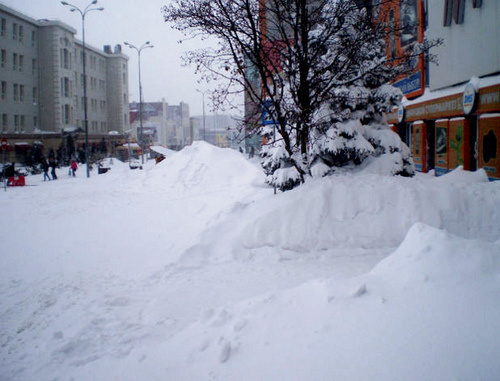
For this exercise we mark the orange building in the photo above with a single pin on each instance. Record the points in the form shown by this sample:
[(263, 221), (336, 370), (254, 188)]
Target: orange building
[(455, 120)]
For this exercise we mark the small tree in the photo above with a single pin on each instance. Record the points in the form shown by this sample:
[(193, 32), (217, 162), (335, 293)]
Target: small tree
[(317, 68)]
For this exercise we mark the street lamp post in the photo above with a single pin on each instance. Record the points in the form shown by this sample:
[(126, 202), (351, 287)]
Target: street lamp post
[(203, 94), (74, 8), (143, 46)]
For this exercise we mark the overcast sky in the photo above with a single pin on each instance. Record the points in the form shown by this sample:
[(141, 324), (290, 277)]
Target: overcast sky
[(134, 21)]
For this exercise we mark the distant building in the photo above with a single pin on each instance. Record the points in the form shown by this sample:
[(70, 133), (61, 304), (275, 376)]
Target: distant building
[(221, 130), (41, 77), (163, 124)]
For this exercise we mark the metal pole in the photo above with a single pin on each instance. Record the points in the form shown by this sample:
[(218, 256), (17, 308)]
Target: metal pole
[(86, 121), (74, 8), (140, 108), (143, 46), (204, 130), (3, 169)]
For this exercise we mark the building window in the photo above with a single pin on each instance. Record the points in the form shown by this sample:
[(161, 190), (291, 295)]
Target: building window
[(66, 87), (65, 109), (15, 95), (3, 29), (66, 114), (454, 10), (15, 61), (65, 61), (21, 63), (34, 66), (16, 123), (14, 31), (3, 58), (5, 122), (21, 93), (21, 34), (35, 121), (4, 90), (35, 95), (33, 38), (23, 122)]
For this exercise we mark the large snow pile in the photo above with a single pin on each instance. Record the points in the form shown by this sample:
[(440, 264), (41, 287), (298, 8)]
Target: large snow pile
[(200, 167), (193, 270)]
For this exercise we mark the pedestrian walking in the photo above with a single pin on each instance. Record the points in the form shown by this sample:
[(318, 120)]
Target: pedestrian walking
[(53, 165), (45, 167), (73, 167)]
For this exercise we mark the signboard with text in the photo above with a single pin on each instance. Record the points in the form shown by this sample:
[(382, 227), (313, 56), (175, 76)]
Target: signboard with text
[(405, 21)]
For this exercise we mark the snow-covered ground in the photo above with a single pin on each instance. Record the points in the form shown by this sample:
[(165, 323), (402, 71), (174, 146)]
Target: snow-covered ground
[(193, 269)]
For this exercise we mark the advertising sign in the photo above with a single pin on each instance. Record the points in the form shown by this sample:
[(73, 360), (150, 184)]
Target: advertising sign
[(405, 20), (419, 146), (441, 154), (459, 144), (488, 139), (469, 99)]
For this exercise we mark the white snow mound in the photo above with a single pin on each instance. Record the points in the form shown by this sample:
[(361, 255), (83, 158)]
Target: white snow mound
[(429, 254), (204, 167)]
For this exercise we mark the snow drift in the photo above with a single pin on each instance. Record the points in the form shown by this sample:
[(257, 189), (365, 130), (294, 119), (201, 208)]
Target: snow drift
[(428, 311), (193, 269)]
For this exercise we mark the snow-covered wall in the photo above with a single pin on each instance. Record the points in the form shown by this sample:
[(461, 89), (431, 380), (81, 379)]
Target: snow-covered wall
[(469, 49)]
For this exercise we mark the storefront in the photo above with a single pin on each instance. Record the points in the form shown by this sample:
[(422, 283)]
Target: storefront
[(448, 129)]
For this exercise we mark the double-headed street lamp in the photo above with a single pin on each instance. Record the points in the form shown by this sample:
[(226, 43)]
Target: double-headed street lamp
[(143, 46), (74, 8)]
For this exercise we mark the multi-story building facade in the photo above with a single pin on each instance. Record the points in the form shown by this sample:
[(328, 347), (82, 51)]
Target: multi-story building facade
[(454, 119), (41, 77)]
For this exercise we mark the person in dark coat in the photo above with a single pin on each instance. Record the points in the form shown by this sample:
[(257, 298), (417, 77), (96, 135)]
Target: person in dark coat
[(45, 167), (53, 165), (10, 171)]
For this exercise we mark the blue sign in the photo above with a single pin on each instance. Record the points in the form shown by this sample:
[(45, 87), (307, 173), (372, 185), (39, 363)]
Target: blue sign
[(410, 84), (267, 111)]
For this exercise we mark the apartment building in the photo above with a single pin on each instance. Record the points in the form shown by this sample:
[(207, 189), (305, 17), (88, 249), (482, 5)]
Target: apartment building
[(41, 78)]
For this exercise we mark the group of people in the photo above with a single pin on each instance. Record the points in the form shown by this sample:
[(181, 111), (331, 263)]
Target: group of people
[(52, 165)]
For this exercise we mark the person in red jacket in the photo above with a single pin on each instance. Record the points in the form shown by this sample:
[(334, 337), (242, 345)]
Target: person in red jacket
[(73, 167)]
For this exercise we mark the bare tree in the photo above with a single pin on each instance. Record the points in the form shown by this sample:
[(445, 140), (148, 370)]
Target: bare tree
[(306, 64)]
